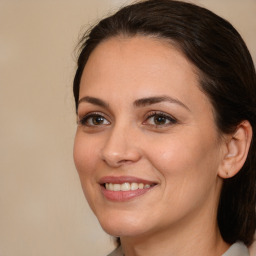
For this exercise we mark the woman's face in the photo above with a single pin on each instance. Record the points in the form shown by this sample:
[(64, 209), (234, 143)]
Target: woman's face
[(146, 149)]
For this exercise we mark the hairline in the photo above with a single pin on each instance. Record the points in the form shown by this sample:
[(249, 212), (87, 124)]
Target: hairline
[(174, 44)]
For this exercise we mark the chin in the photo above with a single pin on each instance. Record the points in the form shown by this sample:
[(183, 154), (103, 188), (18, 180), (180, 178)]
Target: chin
[(119, 226)]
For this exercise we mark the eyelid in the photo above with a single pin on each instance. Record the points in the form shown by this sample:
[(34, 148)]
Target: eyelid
[(151, 114), (86, 116)]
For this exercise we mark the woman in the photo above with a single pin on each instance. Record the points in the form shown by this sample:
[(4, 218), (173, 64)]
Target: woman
[(165, 96)]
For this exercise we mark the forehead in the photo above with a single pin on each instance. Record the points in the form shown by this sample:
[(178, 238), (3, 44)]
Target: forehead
[(143, 51), (139, 67)]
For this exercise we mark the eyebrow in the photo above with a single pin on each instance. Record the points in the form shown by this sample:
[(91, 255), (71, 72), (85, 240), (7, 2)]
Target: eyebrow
[(94, 101), (154, 100), (137, 103)]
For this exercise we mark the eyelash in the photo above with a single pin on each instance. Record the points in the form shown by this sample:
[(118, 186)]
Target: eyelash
[(171, 120), (84, 121), (87, 119)]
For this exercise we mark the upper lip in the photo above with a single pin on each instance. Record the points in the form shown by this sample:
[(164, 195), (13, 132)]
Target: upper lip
[(124, 179)]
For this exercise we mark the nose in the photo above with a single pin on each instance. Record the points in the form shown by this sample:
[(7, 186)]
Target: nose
[(120, 147)]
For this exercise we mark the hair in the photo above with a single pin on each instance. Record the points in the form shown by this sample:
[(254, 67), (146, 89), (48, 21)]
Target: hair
[(226, 75)]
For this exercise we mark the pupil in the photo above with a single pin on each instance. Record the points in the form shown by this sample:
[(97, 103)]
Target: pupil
[(160, 120), (97, 120)]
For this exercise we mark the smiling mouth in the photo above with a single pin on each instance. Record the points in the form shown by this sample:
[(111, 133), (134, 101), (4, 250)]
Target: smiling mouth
[(126, 186)]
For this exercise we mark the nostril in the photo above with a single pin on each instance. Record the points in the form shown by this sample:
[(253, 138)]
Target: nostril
[(125, 161), (117, 158), (119, 149)]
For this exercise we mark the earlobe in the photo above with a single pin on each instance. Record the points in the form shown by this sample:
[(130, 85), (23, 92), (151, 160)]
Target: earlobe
[(237, 147)]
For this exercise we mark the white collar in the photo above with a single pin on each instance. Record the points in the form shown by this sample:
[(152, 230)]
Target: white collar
[(237, 249)]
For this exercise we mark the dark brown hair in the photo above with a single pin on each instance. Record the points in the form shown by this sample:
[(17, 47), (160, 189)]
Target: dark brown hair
[(227, 77)]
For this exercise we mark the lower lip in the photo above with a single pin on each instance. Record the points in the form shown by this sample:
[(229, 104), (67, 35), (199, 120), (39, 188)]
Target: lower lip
[(121, 196)]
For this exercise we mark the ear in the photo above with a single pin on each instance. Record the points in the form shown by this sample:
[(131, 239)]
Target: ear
[(236, 150)]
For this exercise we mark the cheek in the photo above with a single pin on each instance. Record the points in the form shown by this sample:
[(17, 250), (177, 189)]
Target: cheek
[(188, 174), (85, 155), (186, 162)]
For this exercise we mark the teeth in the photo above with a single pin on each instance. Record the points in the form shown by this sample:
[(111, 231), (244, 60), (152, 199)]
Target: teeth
[(111, 187), (117, 187), (134, 186), (141, 186), (126, 186)]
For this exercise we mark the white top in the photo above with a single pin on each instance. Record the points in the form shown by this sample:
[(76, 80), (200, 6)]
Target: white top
[(237, 249)]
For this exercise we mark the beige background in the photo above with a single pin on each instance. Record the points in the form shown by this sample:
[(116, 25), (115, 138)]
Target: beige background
[(42, 208)]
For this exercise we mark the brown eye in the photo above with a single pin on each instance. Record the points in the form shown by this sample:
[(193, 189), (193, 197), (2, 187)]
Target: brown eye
[(94, 120), (160, 120), (97, 120)]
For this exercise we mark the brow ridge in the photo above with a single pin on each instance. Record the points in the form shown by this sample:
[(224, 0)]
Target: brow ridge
[(93, 100), (157, 99), (137, 103)]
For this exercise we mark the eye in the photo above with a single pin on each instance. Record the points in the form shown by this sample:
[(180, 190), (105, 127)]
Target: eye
[(159, 119), (93, 119)]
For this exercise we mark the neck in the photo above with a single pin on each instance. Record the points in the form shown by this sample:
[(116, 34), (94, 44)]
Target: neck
[(192, 244), (192, 236)]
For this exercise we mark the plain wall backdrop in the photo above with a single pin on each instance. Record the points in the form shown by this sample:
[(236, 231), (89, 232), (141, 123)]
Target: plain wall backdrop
[(42, 208)]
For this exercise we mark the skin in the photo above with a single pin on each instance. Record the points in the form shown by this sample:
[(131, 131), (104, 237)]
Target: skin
[(182, 157)]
